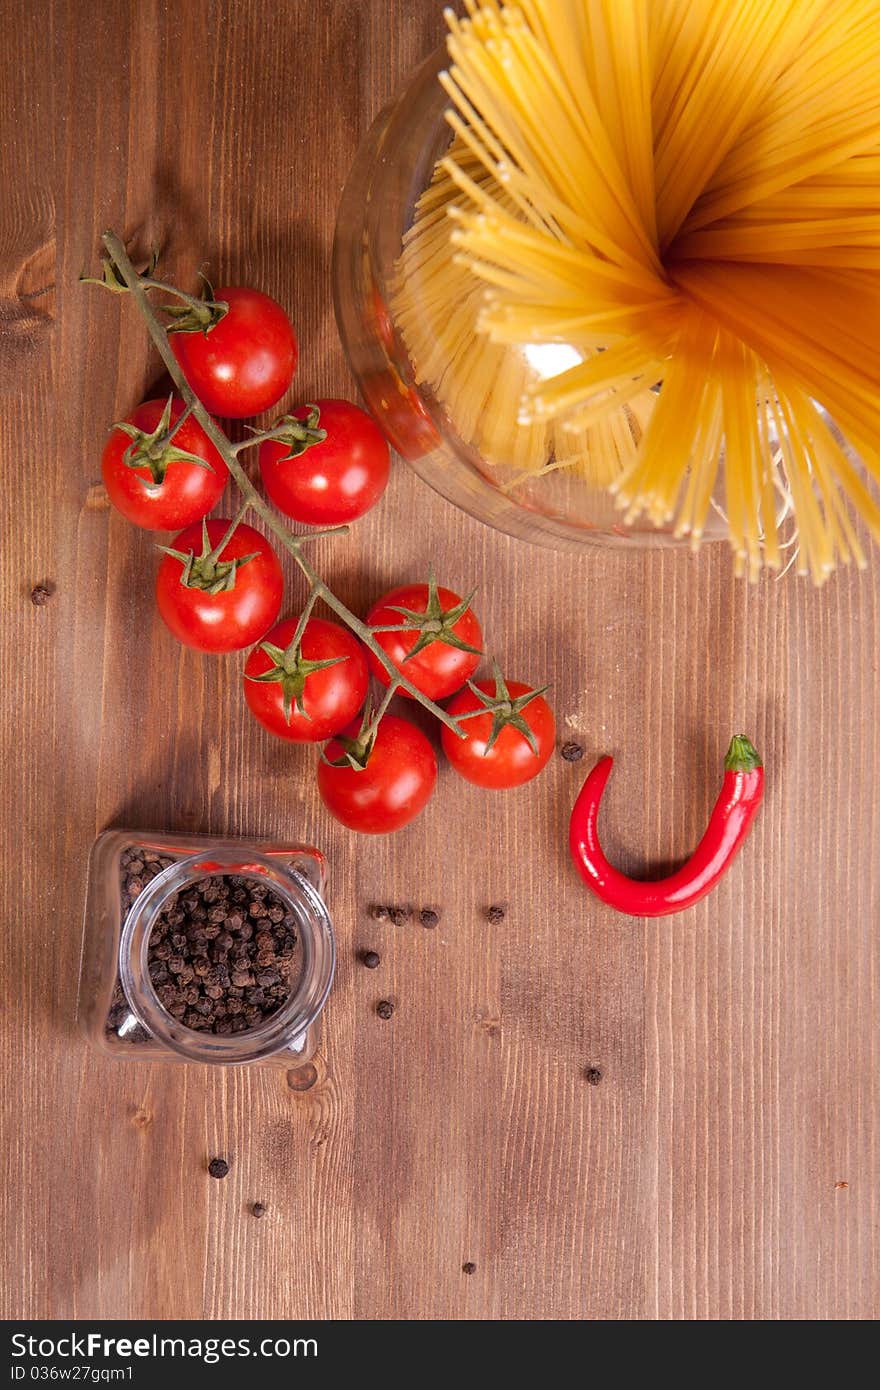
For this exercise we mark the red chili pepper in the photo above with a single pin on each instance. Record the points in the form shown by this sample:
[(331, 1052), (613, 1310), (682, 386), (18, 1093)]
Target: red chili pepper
[(735, 809)]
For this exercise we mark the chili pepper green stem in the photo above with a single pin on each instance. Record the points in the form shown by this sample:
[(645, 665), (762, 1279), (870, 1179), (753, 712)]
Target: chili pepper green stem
[(742, 755), (292, 544)]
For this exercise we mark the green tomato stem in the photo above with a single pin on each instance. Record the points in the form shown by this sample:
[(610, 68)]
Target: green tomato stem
[(199, 306), (295, 640), (380, 712), (258, 437)]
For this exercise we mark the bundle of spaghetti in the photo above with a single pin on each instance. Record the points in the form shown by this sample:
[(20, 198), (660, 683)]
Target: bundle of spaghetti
[(438, 305), (652, 253)]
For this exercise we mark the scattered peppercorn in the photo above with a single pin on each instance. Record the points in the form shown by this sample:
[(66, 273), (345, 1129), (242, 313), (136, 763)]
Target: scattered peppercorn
[(469, 1267), (370, 959), (258, 1209), (400, 915), (218, 1167), (40, 595), (379, 913), (384, 1008), (429, 917), (593, 1075), (495, 914), (572, 752)]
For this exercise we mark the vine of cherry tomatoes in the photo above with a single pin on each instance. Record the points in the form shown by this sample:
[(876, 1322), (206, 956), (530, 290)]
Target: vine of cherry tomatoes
[(219, 586)]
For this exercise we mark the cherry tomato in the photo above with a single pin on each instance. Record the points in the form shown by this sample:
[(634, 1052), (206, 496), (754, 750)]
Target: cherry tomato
[(442, 628), (509, 760), (310, 694), (402, 412), (158, 487), (329, 480), (233, 617), (245, 363), (382, 319), (396, 784)]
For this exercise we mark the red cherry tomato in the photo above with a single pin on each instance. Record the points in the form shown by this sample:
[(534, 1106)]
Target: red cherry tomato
[(245, 363), (231, 618), (401, 413), (323, 685), (510, 761), (156, 488), (440, 667), (382, 319), (329, 481), (396, 784)]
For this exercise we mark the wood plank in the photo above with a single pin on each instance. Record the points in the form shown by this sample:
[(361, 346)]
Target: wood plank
[(700, 1178)]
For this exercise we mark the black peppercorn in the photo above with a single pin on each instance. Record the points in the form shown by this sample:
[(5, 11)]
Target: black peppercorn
[(385, 1008), (429, 917), (571, 752), (258, 1209), (218, 1167), (495, 914), (370, 959), (222, 970)]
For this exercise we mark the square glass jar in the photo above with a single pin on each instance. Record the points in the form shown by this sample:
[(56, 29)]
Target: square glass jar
[(118, 1006)]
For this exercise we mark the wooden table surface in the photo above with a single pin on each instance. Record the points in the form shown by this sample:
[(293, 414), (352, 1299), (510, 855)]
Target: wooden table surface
[(721, 1161)]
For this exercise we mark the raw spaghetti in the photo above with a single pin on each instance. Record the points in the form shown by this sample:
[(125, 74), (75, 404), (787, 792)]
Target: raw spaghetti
[(686, 194)]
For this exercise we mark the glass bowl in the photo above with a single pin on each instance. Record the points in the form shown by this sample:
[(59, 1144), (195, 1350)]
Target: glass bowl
[(393, 167)]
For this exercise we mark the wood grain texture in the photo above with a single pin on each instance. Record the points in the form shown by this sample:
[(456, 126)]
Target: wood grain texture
[(701, 1178)]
